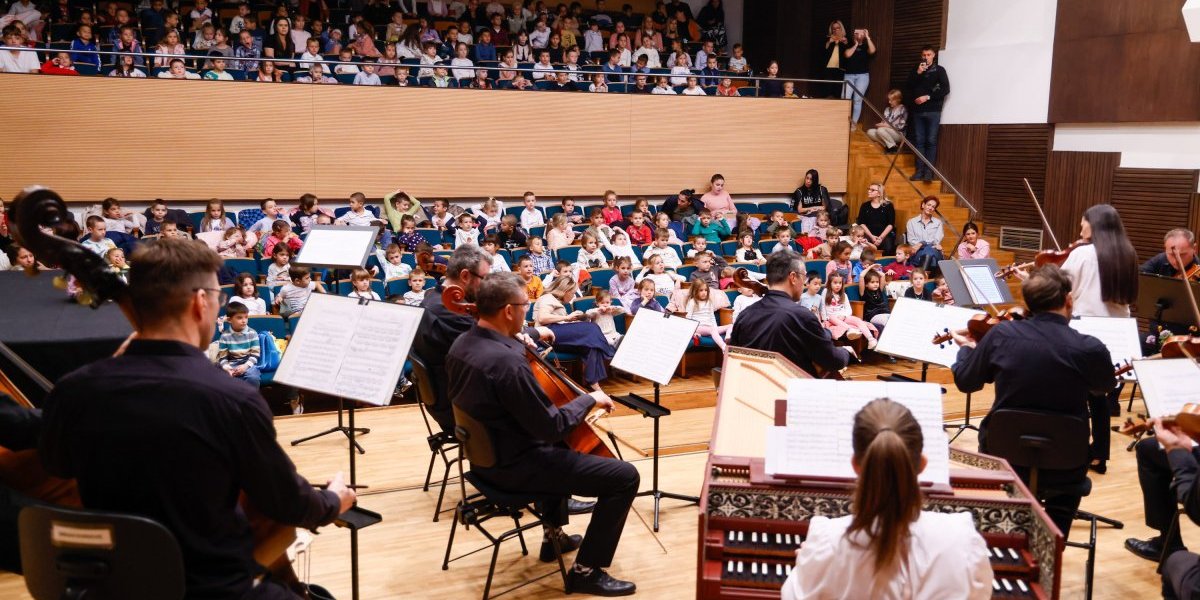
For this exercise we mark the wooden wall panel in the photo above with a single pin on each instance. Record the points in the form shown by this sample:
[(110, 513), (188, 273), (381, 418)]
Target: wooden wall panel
[(193, 140), (962, 154), (1123, 61), (918, 23), (1074, 182), (1014, 152), (878, 17), (1152, 201)]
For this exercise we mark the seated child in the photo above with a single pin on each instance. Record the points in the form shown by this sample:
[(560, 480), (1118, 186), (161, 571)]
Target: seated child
[(747, 252), (701, 308), (117, 263), (941, 294), (917, 290), (610, 211), (712, 229), (839, 316), (705, 273), (533, 283), (511, 235), (409, 239), (489, 214), (900, 269), (277, 271), (158, 215), (784, 241), (467, 233), (261, 227), (665, 282), (215, 218), (746, 297), (491, 247), (621, 285), (663, 249), (590, 255), (645, 299), (825, 250), (358, 215), (416, 288), (776, 223), (245, 292), (811, 298), (603, 316), (542, 261), (700, 246), (840, 262), (281, 233), (619, 246), (293, 297), (859, 241), (393, 263), (559, 234), (876, 308), (170, 229), (599, 228), (238, 349), (234, 244), (639, 233), (115, 219), (571, 212), (866, 263), (663, 220), (360, 284), (95, 241)]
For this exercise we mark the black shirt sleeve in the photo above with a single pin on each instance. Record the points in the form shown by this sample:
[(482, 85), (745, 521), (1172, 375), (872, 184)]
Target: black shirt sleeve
[(973, 368), (1183, 464), (814, 338), (19, 426), (528, 404)]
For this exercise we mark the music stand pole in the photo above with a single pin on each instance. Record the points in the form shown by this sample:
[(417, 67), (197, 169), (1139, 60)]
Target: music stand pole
[(654, 411), (965, 425)]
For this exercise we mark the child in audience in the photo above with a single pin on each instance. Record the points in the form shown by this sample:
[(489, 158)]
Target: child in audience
[(344, 66), (650, 52), (233, 244), (277, 271), (747, 252), (598, 228), (876, 308), (603, 315), (96, 240), (663, 88), (866, 263), (533, 283), (368, 76), (83, 47), (460, 60), (559, 234), (941, 294), (217, 70), (467, 233), (621, 285), (693, 88), (117, 263), (293, 297), (859, 241), (811, 298), (639, 233), (611, 212), (312, 52), (170, 229), (315, 75), (491, 247), (441, 220), (662, 249), (746, 297), (393, 263), (646, 299), (701, 308), (680, 69), (214, 217), (918, 291), (839, 316), (358, 215), (900, 270), (840, 262), (737, 62), (531, 216), (489, 212), (972, 246), (777, 222), (416, 288), (619, 246), (562, 268), (665, 281), (705, 273), (789, 89), (726, 87), (115, 219), (598, 85), (360, 284), (674, 229), (542, 261), (542, 69), (305, 215), (824, 250), (520, 82), (281, 233), (238, 349), (590, 255), (262, 227), (712, 229), (409, 239), (573, 214), (245, 292)]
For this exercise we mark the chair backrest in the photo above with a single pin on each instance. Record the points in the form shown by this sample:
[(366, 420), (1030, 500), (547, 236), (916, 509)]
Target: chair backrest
[(98, 554), (1036, 439), (422, 378), (476, 442)]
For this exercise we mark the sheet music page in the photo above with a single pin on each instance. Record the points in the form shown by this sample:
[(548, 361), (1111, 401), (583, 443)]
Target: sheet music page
[(1118, 334), (653, 345), (818, 440), (350, 350), (336, 246), (982, 283), (1167, 384), (913, 325)]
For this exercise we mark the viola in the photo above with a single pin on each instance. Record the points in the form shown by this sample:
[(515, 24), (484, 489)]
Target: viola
[(559, 388), (1188, 421), (979, 325), (35, 208), (1181, 346), (1045, 257), (427, 263)]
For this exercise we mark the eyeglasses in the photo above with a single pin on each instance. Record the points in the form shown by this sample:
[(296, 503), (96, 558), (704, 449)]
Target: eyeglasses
[(222, 297)]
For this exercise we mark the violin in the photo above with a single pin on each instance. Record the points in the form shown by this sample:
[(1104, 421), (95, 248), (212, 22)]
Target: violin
[(35, 208), (1045, 257), (558, 387), (979, 325), (1188, 421), (427, 263), (742, 279)]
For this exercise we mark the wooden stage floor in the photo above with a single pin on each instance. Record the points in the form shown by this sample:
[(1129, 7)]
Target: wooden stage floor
[(401, 557)]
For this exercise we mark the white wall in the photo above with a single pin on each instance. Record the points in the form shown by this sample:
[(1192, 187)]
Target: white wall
[(1142, 145), (998, 56)]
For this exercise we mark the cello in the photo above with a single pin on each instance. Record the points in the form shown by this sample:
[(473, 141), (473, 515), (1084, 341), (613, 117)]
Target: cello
[(559, 388), (39, 214)]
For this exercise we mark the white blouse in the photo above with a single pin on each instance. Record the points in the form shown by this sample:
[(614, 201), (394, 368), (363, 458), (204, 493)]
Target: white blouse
[(947, 558), (1083, 268)]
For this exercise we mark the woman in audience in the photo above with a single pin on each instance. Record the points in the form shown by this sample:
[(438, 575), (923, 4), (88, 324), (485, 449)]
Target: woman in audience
[(973, 246), (877, 216), (279, 44), (835, 46), (573, 332), (719, 202), (648, 31), (809, 199), (711, 20), (888, 547)]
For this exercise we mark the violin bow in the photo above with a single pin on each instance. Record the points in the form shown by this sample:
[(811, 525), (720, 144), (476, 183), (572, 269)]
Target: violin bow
[(1191, 295), (1038, 205)]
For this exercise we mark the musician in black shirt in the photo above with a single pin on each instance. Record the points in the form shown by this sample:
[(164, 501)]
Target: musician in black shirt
[(163, 433), (1039, 364), (1178, 240), (777, 323), (490, 379)]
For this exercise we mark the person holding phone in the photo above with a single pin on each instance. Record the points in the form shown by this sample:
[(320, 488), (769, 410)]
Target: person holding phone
[(928, 86)]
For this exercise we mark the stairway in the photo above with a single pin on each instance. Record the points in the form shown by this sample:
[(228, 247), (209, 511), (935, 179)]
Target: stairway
[(868, 163)]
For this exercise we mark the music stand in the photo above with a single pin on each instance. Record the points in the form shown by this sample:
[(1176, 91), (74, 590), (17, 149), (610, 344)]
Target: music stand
[(1163, 300), (652, 348), (975, 284)]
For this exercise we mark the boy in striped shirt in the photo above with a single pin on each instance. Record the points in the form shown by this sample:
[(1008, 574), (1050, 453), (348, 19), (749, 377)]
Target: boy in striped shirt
[(237, 351)]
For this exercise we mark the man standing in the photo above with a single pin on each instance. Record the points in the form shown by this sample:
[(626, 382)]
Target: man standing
[(928, 87), (490, 380), (778, 324)]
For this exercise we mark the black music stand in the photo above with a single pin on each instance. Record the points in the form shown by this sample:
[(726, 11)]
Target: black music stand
[(652, 348), (348, 431), (1164, 301)]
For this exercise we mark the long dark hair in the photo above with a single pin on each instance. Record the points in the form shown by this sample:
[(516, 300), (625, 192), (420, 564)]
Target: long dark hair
[(816, 180), (1115, 254), (887, 444)]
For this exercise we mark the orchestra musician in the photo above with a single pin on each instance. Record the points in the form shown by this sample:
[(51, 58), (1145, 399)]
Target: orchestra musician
[(490, 379), (1164, 263), (888, 547), (161, 432), (779, 324), (1041, 364)]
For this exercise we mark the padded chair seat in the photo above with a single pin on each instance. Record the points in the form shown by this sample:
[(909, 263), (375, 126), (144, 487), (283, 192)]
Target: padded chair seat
[(504, 498), (1082, 488)]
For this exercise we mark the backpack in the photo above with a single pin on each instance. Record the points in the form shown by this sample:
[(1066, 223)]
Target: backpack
[(268, 353)]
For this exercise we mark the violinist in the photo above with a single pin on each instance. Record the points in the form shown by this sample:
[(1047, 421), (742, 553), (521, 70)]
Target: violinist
[(1039, 364), (160, 432), (1178, 240), (490, 379)]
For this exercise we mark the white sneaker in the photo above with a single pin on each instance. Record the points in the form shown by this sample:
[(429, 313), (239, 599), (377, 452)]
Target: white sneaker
[(871, 343), (853, 335)]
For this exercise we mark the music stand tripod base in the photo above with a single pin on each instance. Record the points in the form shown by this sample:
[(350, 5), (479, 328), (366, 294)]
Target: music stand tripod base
[(654, 410), (345, 430), (965, 425)]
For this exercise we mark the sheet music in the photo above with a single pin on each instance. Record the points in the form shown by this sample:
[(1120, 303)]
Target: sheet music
[(817, 408), (984, 286), (1118, 334), (653, 345), (350, 350), (912, 326), (337, 246), (1167, 384)]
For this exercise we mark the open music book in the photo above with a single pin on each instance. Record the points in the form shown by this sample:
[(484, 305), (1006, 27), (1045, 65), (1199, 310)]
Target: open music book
[(1118, 334), (817, 441), (913, 324), (350, 348), (654, 345), (1167, 384)]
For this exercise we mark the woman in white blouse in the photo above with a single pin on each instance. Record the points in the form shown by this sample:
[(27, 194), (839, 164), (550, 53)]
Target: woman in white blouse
[(888, 548)]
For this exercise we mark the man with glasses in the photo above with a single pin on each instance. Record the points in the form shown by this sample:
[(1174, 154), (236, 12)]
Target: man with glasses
[(161, 432), (491, 381)]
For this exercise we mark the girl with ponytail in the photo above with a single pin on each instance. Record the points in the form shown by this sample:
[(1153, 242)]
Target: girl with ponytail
[(888, 548)]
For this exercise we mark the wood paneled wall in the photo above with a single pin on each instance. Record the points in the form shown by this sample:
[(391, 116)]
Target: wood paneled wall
[(113, 137), (918, 23), (1074, 182), (1152, 201), (962, 151), (1014, 152), (1123, 61)]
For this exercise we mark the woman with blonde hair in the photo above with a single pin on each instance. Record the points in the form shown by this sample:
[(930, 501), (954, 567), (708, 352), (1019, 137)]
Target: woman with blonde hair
[(573, 332)]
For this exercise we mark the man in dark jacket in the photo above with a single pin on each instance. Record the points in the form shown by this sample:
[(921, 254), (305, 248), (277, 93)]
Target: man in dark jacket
[(928, 86)]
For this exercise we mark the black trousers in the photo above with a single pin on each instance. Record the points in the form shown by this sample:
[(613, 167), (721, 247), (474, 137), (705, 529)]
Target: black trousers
[(559, 470), (1099, 407), (1158, 501), (1060, 505), (1181, 576)]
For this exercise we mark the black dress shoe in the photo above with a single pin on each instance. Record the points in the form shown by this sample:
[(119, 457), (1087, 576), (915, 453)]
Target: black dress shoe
[(928, 178), (1099, 466), (579, 507), (915, 176), (1151, 549), (566, 543), (598, 583)]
